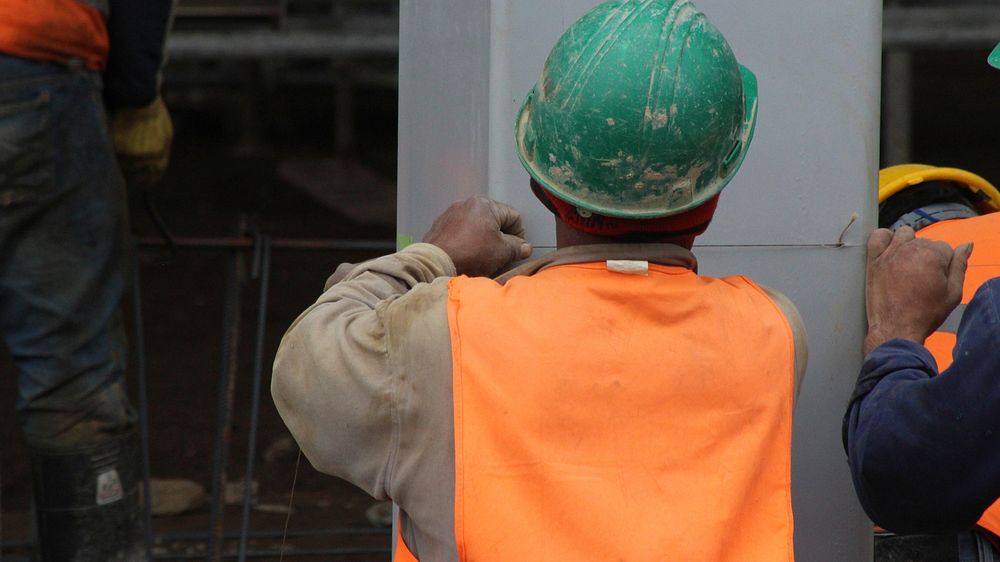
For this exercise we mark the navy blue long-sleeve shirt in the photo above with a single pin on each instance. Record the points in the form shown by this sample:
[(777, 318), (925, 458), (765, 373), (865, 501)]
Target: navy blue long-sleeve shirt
[(923, 447), (137, 31)]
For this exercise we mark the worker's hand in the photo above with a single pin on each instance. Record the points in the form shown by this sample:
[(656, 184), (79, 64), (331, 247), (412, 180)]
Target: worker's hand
[(912, 285), (142, 137), (480, 235)]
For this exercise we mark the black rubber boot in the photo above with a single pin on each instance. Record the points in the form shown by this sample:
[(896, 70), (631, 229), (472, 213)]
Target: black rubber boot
[(88, 504)]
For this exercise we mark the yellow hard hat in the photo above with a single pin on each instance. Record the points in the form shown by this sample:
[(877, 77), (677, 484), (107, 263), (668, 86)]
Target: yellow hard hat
[(894, 179)]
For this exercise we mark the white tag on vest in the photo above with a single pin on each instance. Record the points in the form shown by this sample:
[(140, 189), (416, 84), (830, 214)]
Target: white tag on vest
[(109, 487), (629, 267)]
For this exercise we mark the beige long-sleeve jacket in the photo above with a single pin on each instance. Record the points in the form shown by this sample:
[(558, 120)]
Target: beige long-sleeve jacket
[(363, 378)]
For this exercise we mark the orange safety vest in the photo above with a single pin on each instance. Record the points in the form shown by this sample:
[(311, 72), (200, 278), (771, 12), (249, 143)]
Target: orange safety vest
[(984, 264), (54, 30), (606, 416)]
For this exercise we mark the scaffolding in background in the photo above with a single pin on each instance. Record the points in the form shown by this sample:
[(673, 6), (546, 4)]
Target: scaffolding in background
[(261, 44), (942, 25), (359, 40)]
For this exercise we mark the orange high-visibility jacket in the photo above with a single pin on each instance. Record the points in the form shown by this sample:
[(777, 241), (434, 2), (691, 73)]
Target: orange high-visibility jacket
[(606, 416), (54, 30), (984, 264)]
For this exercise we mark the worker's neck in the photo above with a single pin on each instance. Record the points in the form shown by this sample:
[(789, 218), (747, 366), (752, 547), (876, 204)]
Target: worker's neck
[(567, 236)]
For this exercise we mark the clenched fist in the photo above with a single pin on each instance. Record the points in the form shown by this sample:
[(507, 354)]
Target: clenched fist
[(912, 285), (480, 235)]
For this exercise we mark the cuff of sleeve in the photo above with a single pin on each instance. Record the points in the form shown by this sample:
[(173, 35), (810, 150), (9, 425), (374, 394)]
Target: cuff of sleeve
[(893, 356), (898, 348), (435, 257), (432, 262)]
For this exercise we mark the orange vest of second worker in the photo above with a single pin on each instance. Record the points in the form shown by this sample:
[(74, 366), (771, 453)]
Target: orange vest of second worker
[(609, 416), (54, 30), (984, 264)]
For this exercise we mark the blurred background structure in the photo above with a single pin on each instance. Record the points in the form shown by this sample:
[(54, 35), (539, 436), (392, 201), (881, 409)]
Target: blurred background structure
[(938, 101), (286, 120)]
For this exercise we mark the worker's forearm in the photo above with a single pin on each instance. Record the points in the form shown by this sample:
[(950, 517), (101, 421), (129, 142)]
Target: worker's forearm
[(924, 450), (332, 382), (902, 483), (358, 289), (137, 33)]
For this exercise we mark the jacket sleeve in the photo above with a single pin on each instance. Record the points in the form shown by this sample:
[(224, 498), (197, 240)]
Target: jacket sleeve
[(137, 32), (332, 382), (923, 448)]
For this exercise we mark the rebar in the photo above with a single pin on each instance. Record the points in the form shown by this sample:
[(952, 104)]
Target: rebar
[(312, 244), (139, 345), (271, 553), (286, 44), (261, 271), (216, 536), (226, 397)]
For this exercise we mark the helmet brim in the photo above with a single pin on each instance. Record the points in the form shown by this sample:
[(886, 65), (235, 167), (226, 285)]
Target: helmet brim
[(731, 165), (967, 180)]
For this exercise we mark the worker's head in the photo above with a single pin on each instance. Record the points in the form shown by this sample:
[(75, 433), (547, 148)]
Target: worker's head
[(917, 195), (640, 118), (995, 57)]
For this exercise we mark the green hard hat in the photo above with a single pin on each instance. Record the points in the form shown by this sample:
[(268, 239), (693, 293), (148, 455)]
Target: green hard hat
[(995, 57), (641, 111)]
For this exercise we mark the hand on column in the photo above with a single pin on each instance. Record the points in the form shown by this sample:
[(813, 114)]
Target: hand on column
[(481, 236), (912, 285)]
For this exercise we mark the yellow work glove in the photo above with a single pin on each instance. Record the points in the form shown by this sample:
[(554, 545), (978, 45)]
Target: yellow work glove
[(142, 137)]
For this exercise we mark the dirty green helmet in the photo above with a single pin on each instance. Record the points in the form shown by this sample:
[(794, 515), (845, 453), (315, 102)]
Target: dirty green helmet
[(995, 57), (641, 111)]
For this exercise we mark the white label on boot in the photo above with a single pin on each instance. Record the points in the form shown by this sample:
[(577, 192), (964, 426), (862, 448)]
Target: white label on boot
[(109, 487)]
